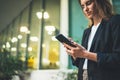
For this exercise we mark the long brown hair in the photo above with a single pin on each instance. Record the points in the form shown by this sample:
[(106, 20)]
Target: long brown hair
[(105, 9)]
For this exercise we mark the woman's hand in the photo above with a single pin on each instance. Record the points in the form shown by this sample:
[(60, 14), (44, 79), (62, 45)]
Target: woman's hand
[(79, 52)]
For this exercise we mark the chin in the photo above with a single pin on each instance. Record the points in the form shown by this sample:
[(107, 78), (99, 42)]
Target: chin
[(89, 17)]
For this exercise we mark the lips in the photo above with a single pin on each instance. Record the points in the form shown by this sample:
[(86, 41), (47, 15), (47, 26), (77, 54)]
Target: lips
[(88, 13)]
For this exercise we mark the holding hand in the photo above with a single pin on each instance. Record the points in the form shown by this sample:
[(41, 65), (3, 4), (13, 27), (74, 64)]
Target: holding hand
[(79, 52)]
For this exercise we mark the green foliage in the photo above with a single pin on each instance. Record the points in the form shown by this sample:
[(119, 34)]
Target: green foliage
[(66, 75), (9, 65)]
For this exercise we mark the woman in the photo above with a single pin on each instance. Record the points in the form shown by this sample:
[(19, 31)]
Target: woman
[(100, 47)]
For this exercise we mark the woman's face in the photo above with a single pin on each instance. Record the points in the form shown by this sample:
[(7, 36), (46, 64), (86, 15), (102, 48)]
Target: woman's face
[(88, 7)]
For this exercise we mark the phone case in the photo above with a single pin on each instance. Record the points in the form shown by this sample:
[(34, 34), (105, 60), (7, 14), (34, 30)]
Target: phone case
[(63, 39)]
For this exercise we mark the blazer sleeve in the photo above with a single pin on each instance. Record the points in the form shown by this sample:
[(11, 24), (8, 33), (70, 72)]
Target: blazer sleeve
[(112, 60)]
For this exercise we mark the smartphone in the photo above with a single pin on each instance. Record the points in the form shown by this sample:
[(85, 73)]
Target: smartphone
[(63, 39)]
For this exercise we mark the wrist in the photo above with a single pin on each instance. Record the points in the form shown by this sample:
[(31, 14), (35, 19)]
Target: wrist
[(90, 56), (86, 54)]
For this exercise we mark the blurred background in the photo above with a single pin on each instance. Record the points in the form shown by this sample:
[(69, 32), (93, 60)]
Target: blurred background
[(28, 29)]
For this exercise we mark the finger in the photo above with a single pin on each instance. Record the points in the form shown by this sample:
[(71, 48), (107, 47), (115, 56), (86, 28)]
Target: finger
[(70, 39), (68, 52), (78, 45), (67, 46)]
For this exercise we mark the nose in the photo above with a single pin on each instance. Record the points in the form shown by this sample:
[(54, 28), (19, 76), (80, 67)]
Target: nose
[(86, 8)]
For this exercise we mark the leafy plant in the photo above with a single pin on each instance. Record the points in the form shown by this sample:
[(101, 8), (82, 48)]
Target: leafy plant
[(65, 75), (9, 65)]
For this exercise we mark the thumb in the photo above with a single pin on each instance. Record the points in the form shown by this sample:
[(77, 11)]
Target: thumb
[(78, 45)]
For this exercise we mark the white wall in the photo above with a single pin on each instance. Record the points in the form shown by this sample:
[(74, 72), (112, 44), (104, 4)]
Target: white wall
[(64, 30)]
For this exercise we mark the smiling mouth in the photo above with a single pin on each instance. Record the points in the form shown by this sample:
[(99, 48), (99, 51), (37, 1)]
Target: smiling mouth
[(88, 13)]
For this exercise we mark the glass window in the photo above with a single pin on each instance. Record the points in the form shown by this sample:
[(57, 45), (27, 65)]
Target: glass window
[(32, 35), (34, 44), (14, 36), (50, 47), (23, 33)]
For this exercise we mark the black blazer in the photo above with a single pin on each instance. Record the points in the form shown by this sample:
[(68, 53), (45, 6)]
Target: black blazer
[(106, 44)]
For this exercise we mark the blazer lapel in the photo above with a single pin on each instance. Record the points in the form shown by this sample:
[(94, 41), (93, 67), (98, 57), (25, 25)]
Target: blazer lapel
[(97, 34), (87, 37)]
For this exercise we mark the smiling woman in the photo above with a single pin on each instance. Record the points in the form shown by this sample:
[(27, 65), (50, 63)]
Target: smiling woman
[(31, 35), (97, 58)]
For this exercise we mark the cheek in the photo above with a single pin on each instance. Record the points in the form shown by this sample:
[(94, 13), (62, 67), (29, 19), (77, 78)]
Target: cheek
[(94, 9), (84, 13)]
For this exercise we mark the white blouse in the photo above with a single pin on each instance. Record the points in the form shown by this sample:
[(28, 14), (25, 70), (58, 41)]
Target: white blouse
[(92, 34)]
